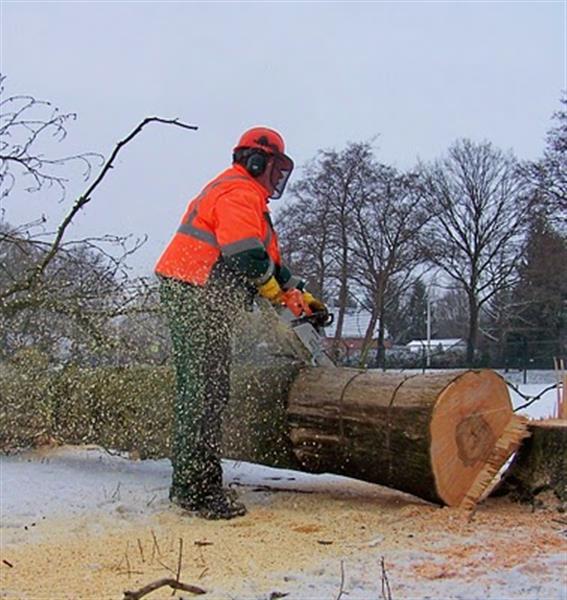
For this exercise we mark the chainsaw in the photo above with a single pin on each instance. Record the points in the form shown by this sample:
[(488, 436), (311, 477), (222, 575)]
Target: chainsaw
[(308, 329)]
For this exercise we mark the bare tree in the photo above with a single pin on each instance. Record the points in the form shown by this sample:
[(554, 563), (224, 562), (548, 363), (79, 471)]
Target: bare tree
[(86, 286), (305, 237), (25, 123), (45, 279), (320, 220), (450, 313), (387, 224), (480, 210)]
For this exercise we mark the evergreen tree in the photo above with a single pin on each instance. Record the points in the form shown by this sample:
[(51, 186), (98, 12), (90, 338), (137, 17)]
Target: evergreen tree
[(540, 324), (417, 312)]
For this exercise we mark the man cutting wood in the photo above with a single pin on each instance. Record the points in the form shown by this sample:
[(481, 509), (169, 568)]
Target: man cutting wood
[(224, 253)]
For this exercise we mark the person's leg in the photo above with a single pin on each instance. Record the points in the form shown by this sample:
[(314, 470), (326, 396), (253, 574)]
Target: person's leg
[(218, 503), (186, 315)]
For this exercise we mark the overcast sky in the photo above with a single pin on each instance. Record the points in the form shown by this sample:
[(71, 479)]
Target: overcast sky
[(419, 74)]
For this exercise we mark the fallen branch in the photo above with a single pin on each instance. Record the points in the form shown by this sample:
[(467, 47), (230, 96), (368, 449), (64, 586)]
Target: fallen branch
[(155, 585)]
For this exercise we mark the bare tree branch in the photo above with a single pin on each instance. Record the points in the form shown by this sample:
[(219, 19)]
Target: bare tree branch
[(80, 203)]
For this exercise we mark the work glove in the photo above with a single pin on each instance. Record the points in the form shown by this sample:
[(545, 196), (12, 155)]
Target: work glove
[(313, 303), (317, 307), (293, 299), (271, 290)]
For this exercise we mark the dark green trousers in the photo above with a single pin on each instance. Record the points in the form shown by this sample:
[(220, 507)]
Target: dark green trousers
[(201, 321)]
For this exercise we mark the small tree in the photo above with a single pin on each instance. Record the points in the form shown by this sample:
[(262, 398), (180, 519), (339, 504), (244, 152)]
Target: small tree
[(417, 311)]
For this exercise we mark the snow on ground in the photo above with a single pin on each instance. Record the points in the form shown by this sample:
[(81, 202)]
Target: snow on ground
[(81, 523), (81, 511), (536, 382)]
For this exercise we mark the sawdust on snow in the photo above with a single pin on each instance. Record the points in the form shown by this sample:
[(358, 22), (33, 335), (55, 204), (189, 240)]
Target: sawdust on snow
[(287, 532)]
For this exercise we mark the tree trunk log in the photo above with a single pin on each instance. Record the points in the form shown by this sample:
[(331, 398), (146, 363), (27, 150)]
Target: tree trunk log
[(441, 436), (541, 463)]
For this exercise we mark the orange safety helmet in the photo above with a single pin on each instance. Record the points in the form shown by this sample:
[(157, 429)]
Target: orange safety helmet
[(262, 138), (269, 164)]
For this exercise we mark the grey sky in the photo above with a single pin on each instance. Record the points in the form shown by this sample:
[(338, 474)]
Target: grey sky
[(420, 74)]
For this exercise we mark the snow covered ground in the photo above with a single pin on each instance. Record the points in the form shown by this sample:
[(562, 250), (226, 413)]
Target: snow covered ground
[(429, 552), (81, 523)]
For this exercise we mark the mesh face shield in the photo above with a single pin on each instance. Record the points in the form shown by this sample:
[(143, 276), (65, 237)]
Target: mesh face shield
[(282, 166)]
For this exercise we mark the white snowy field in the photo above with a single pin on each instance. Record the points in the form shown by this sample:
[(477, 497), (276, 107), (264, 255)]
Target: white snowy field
[(77, 522)]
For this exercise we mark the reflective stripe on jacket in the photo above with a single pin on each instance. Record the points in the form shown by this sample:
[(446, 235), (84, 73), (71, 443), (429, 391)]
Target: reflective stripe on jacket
[(227, 221)]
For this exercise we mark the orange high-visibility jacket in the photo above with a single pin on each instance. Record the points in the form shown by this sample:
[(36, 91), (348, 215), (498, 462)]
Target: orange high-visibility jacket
[(229, 218)]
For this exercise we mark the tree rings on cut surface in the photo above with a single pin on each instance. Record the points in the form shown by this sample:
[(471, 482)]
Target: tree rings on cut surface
[(469, 419)]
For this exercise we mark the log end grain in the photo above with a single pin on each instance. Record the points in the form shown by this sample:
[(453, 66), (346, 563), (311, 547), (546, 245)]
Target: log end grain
[(473, 433)]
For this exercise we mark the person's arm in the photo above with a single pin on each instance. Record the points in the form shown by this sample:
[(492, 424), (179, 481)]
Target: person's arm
[(239, 235), (286, 280)]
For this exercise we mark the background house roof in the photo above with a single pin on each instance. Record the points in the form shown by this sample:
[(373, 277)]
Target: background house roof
[(354, 325), (445, 343)]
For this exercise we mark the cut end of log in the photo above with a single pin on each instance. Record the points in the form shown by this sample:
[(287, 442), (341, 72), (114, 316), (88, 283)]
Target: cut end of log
[(473, 433), (506, 446)]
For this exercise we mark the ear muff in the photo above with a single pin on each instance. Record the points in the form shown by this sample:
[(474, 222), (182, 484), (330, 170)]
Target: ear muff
[(256, 163)]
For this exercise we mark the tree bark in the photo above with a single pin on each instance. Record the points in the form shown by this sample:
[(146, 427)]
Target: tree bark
[(380, 346), (541, 464), (368, 338), (439, 436), (473, 329)]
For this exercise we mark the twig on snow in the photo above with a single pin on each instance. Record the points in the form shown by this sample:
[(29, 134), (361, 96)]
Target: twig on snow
[(128, 567), (179, 561), (166, 567), (141, 549), (386, 591), (155, 546), (155, 585), (342, 586)]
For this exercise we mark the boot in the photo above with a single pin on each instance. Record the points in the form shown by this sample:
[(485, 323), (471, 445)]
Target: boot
[(217, 504), (181, 498), (221, 504)]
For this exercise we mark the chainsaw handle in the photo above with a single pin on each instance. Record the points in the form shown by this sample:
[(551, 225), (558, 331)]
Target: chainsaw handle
[(329, 319), (316, 319)]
